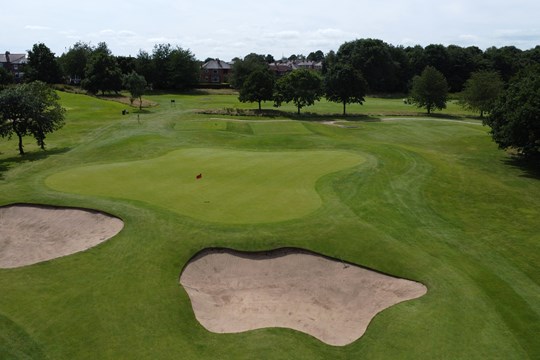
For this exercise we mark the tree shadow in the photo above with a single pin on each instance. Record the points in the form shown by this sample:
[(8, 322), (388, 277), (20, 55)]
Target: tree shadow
[(10, 162), (529, 166), (303, 116), (315, 117), (451, 116)]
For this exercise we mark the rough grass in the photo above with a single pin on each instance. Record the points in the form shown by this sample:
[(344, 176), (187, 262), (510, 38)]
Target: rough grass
[(434, 201)]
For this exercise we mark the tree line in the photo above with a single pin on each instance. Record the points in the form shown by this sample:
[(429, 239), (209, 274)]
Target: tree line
[(488, 80), (385, 67)]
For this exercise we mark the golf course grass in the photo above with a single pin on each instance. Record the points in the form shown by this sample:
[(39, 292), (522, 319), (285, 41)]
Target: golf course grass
[(234, 186), (429, 199)]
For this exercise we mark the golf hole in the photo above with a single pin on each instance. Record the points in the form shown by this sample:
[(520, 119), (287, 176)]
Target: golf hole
[(233, 291)]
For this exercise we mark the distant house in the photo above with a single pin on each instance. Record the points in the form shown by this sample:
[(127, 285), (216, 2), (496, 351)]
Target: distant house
[(215, 71), (283, 67), (280, 68), (13, 63)]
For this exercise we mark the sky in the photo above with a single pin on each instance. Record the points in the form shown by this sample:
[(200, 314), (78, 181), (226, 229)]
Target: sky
[(235, 28)]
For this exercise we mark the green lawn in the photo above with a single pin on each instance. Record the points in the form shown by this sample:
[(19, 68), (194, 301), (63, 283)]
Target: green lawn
[(428, 199), (236, 186)]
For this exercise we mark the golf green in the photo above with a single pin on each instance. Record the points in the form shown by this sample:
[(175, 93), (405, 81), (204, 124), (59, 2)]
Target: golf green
[(234, 186)]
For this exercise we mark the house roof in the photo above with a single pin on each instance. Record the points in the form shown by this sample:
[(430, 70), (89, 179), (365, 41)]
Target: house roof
[(13, 58), (216, 65)]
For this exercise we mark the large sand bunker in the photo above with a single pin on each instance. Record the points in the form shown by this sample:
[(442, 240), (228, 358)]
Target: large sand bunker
[(33, 233), (234, 291)]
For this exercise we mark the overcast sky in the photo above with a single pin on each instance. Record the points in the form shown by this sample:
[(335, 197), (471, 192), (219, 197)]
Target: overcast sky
[(226, 29)]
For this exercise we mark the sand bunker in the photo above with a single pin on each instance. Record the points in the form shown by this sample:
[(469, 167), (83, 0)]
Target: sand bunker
[(31, 233), (333, 301)]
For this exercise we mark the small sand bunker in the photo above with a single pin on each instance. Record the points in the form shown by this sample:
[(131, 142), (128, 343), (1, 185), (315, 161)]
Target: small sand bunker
[(333, 301), (32, 233)]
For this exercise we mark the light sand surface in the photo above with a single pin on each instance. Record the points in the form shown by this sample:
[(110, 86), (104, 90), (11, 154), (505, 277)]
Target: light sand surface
[(233, 291), (33, 233)]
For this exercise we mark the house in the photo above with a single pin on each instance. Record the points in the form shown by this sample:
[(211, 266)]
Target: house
[(283, 67), (13, 63), (215, 71)]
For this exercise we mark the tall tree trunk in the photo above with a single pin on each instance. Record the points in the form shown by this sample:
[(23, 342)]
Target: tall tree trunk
[(21, 151), (259, 105), (298, 109), (344, 108)]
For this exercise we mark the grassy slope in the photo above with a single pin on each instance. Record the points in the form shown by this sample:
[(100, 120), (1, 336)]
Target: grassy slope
[(435, 202)]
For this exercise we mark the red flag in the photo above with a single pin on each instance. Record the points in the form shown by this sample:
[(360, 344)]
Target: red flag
[(199, 177)]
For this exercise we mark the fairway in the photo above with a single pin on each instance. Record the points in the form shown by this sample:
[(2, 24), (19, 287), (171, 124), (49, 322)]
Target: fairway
[(235, 186), (430, 200)]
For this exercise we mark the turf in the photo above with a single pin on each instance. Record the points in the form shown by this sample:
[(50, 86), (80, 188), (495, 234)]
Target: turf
[(236, 186), (434, 201)]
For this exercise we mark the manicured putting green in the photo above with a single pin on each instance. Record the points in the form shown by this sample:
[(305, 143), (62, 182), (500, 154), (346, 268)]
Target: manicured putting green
[(236, 186)]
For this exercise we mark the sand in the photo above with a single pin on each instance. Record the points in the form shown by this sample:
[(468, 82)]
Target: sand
[(233, 292), (30, 234)]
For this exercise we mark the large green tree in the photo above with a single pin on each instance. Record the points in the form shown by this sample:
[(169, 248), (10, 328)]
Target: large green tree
[(42, 65), (515, 117), (343, 84), (30, 109), (258, 87), (429, 90), (184, 69), (242, 68), (74, 61), (302, 87), (102, 72), (168, 67), (373, 58), (481, 91)]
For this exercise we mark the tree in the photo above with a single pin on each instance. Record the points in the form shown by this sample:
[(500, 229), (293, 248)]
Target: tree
[(481, 91), (136, 85), (126, 64), (343, 84), (30, 109), (373, 59), (507, 60), (269, 59), (241, 69), (6, 77), (436, 56), (258, 87), (74, 61), (462, 63), (515, 117), (144, 66), (429, 90), (42, 65), (316, 56), (183, 69), (102, 72), (302, 87), (168, 67)]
